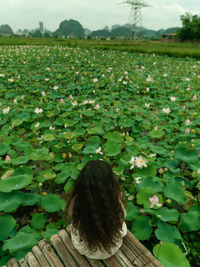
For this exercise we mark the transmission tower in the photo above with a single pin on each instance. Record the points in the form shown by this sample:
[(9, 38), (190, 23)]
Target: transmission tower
[(135, 17)]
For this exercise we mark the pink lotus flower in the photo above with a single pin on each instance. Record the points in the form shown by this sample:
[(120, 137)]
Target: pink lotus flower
[(70, 97), (154, 201), (187, 122), (194, 97), (15, 101), (147, 89), (187, 130), (61, 100), (156, 128), (8, 158)]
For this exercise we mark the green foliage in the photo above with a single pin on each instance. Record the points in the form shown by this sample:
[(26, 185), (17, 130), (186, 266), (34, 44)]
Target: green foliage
[(52, 203), (142, 228), (24, 240), (91, 105), (190, 27), (170, 255), (38, 221), (7, 224)]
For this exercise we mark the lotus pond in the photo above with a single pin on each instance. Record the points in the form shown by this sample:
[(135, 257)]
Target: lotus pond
[(60, 107)]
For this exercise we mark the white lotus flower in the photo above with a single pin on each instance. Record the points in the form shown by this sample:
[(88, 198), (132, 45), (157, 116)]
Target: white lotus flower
[(132, 162), (97, 107), (38, 110), (6, 110), (166, 110), (74, 103), (140, 162), (149, 79), (55, 88), (37, 125), (95, 80), (173, 98), (98, 151), (138, 180)]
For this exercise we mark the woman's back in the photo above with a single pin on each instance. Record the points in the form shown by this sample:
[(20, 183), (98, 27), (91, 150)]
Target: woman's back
[(97, 214)]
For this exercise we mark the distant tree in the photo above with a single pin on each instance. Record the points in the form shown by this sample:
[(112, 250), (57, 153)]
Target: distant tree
[(190, 27), (100, 33), (37, 33), (46, 35), (121, 32), (6, 29)]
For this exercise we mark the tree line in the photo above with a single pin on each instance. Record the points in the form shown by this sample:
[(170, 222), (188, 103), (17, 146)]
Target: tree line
[(190, 29)]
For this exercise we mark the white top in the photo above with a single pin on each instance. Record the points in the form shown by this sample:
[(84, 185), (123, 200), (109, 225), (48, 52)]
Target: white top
[(82, 248)]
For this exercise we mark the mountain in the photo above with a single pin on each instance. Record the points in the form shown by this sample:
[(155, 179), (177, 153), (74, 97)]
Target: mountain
[(6, 29), (125, 30), (70, 28)]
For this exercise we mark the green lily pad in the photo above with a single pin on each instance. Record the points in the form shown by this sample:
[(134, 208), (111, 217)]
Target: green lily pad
[(142, 228), (24, 240), (91, 145), (131, 211), (190, 221), (15, 182), (184, 154), (52, 203), (7, 224), (167, 232), (4, 148), (167, 215), (38, 221), (112, 148), (175, 191), (170, 255), (49, 137)]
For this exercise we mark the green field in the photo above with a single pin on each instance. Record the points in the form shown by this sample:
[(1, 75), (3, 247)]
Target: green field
[(62, 106), (158, 47)]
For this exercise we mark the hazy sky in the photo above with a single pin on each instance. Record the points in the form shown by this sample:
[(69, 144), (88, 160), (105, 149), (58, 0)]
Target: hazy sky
[(92, 14)]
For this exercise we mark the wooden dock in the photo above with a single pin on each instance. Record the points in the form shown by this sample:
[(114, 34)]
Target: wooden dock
[(61, 252)]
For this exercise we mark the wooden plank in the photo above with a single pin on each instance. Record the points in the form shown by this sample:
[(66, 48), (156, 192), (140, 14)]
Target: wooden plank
[(129, 254), (136, 247), (62, 251), (112, 261), (50, 254), (95, 263), (12, 263), (80, 259), (40, 257), (23, 263), (124, 258), (32, 261), (134, 255), (141, 254)]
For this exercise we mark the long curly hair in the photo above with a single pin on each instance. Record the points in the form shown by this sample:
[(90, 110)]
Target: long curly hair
[(97, 213)]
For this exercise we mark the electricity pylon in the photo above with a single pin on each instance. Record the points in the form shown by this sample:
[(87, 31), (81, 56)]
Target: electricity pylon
[(135, 17)]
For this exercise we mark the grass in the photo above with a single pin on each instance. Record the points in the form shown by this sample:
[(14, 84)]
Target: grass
[(150, 47)]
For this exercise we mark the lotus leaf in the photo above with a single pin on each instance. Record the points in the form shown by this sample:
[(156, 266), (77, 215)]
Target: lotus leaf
[(170, 255)]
